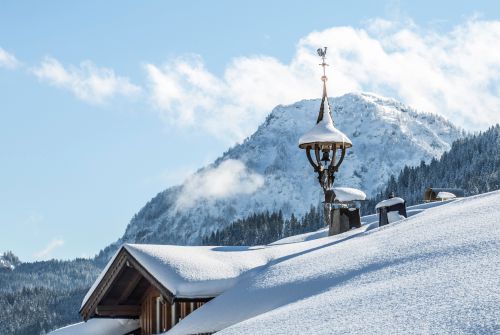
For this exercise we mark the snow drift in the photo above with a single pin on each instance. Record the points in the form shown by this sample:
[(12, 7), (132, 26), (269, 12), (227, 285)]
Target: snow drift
[(435, 272)]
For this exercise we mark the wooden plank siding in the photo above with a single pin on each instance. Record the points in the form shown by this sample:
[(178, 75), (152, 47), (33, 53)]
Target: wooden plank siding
[(170, 314)]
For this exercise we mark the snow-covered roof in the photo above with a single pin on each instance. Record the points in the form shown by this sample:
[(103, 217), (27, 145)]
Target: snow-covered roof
[(99, 327), (389, 202), (445, 195), (373, 281), (197, 271), (344, 194), (200, 271), (324, 132)]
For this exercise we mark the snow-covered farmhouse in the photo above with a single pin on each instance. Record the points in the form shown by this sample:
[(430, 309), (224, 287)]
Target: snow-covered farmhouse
[(158, 284)]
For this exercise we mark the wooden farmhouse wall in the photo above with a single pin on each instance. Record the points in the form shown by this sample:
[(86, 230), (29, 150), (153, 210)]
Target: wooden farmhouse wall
[(158, 315)]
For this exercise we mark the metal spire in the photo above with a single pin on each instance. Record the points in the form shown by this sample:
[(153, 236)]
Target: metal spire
[(324, 78)]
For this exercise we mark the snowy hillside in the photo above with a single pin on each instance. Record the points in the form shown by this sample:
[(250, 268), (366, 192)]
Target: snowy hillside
[(433, 273), (269, 172)]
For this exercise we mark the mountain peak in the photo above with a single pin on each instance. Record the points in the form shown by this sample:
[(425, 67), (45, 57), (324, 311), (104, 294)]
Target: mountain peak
[(269, 172)]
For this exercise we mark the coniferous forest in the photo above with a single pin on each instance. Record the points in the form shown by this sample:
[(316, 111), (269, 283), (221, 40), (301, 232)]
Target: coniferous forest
[(41, 296), (472, 164), (265, 228), (38, 297)]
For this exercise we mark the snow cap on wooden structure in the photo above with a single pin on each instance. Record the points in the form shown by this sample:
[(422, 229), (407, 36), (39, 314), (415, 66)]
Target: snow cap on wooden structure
[(390, 202), (346, 194), (445, 195), (431, 193)]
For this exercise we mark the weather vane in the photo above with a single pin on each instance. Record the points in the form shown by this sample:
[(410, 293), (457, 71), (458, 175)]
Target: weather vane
[(322, 54)]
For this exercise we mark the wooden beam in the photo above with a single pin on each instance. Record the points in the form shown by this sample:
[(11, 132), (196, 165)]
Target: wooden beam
[(119, 310), (130, 287), (169, 296), (89, 308)]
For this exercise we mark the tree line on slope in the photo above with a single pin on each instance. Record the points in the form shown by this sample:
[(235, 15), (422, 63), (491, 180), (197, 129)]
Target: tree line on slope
[(264, 228), (38, 297), (472, 164), (38, 310)]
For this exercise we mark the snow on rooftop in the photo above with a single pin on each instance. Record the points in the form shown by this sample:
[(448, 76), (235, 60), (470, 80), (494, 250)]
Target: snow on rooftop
[(445, 195), (99, 327), (207, 271), (325, 131), (203, 271), (348, 194), (390, 202), (411, 277)]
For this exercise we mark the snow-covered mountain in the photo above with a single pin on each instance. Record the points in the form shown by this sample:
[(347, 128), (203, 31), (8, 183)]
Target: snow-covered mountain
[(269, 172)]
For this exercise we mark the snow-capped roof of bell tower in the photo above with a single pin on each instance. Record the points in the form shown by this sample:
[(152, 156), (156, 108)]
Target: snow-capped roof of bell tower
[(324, 132)]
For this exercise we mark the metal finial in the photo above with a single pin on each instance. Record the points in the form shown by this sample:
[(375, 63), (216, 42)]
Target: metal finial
[(322, 54)]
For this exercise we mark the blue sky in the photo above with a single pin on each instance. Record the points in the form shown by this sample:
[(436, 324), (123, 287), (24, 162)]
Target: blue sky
[(105, 104)]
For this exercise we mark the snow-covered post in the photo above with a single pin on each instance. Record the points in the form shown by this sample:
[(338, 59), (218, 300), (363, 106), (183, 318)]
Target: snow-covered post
[(325, 148), (391, 210)]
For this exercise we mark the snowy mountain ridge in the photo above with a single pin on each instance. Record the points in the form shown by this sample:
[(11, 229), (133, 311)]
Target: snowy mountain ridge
[(269, 172)]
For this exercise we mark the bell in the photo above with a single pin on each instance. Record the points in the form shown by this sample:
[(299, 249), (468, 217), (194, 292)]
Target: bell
[(326, 156)]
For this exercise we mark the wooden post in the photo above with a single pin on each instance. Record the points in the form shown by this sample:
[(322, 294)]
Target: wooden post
[(383, 220), (174, 314), (334, 228)]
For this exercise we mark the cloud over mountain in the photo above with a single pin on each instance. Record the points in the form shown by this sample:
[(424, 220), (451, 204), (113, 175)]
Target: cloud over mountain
[(455, 74)]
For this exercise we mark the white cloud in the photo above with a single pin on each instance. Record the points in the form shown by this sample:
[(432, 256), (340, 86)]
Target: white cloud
[(455, 74), (87, 81), (187, 94), (46, 252), (8, 60), (230, 178)]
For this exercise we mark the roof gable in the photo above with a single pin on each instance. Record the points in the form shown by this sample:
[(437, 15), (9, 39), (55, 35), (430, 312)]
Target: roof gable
[(123, 280)]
